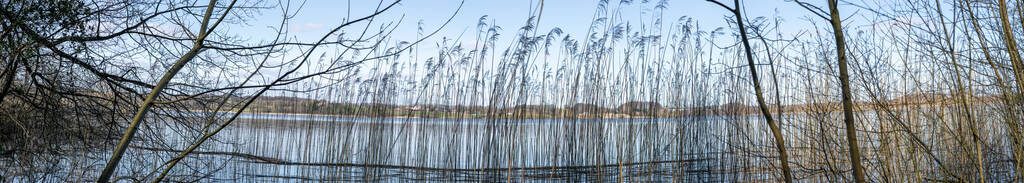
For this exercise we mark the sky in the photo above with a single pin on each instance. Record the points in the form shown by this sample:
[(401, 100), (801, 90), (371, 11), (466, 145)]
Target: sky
[(317, 17), (573, 16)]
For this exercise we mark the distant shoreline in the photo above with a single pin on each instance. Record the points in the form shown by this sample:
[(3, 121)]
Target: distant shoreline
[(746, 110), (608, 116)]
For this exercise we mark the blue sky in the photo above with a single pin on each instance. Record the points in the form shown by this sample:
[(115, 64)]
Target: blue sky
[(572, 16)]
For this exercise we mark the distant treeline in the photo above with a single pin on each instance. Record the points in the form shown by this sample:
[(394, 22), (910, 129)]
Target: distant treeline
[(299, 105)]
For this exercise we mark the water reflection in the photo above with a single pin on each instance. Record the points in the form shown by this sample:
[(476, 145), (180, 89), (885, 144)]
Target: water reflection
[(275, 147)]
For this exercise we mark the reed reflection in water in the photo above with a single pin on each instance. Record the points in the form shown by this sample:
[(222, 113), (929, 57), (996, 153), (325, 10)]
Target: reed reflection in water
[(273, 147)]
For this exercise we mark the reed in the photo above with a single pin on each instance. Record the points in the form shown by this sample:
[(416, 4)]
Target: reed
[(905, 91)]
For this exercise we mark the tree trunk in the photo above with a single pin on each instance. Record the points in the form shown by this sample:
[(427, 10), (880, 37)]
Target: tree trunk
[(780, 142), (844, 81)]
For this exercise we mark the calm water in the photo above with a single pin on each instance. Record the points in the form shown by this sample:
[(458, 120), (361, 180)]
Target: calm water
[(301, 148), (308, 148), (271, 147)]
